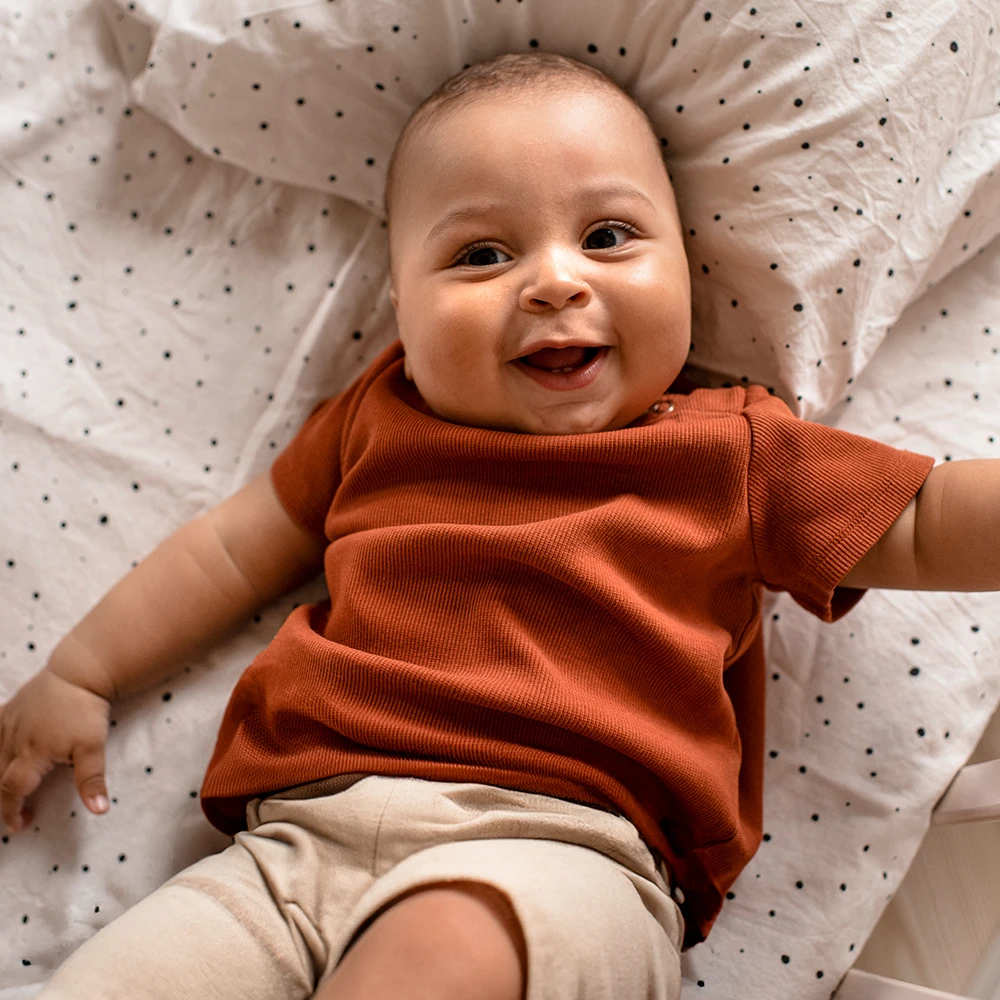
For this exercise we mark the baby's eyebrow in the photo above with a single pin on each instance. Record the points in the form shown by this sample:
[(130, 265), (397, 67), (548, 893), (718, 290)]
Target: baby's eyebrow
[(477, 209)]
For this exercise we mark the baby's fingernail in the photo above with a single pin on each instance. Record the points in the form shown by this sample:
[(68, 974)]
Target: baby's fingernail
[(16, 823), (100, 803)]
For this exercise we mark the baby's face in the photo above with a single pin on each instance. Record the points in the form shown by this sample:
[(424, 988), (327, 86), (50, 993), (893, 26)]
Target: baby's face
[(555, 261)]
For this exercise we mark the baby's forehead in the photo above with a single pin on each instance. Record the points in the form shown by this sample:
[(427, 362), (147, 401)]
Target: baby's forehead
[(446, 125), (540, 95), (459, 143)]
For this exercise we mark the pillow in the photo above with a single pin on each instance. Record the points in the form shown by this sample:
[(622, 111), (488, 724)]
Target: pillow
[(830, 165)]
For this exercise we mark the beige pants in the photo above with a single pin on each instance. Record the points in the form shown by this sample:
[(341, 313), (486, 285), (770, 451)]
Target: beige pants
[(270, 917)]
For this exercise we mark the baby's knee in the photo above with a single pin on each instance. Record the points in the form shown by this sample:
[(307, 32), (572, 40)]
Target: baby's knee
[(448, 939)]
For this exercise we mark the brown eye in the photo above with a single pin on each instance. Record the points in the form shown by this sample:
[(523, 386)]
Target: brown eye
[(604, 231), (480, 255), (605, 237)]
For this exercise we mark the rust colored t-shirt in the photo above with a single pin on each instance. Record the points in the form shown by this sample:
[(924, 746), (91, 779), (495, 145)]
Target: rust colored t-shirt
[(576, 615)]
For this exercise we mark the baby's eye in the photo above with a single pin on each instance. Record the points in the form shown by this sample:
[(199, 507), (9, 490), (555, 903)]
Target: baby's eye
[(481, 250), (600, 236)]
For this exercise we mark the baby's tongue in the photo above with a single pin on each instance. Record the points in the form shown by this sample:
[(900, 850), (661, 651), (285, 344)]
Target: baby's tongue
[(556, 357)]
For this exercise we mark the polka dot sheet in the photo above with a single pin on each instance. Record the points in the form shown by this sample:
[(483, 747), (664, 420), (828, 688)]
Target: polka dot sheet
[(169, 314)]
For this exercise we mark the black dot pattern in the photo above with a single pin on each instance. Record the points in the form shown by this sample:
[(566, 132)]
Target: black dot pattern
[(195, 262)]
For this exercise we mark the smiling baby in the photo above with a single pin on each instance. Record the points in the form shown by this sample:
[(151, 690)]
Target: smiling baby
[(518, 751)]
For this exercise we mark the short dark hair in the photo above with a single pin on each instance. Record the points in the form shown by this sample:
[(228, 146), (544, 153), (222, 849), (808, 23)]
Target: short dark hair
[(512, 73)]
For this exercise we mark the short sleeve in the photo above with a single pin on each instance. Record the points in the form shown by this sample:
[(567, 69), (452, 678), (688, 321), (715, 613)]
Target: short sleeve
[(307, 473), (819, 499)]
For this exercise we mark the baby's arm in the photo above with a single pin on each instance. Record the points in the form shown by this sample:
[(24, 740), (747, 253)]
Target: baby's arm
[(207, 578), (947, 538), (204, 580)]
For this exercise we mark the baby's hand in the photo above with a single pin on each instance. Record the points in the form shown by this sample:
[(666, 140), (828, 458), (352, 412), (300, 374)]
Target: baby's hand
[(51, 721)]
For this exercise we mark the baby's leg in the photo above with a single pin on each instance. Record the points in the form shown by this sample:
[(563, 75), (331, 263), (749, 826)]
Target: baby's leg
[(212, 932), (446, 941)]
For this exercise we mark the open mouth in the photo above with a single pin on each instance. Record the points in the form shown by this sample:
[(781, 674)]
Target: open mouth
[(589, 353), (575, 376)]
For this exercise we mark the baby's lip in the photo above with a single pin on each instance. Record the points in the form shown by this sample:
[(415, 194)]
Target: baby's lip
[(539, 345)]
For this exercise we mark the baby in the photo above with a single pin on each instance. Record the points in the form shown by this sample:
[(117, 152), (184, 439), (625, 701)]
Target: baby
[(518, 751)]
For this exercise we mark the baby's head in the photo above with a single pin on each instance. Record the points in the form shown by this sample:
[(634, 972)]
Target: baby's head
[(520, 155)]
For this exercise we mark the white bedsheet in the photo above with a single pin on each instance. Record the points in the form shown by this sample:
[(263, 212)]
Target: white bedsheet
[(156, 311)]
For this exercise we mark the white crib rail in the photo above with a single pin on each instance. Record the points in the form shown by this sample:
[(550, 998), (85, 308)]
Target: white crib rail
[(973, 797), (858, 985)]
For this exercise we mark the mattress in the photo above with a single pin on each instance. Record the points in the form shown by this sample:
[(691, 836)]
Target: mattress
[(178, 291)]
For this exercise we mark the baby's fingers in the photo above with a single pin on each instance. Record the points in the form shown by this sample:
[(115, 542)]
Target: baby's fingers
[(21, 778), (88, 775)]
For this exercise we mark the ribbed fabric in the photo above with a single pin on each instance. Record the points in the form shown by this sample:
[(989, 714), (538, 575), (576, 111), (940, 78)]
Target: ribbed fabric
[(576, 615)]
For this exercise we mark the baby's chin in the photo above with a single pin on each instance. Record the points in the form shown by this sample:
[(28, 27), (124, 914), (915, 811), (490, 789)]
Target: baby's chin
[(542, 424), (595, 418), (586, 416), (594, 426)]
